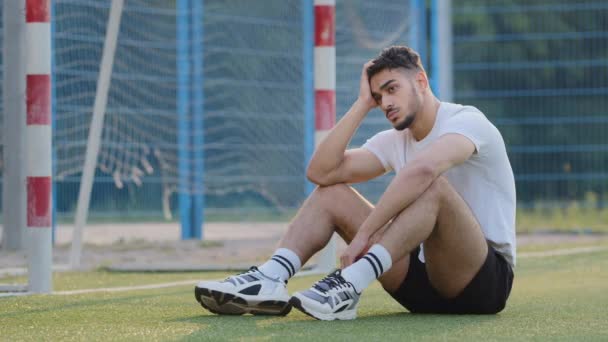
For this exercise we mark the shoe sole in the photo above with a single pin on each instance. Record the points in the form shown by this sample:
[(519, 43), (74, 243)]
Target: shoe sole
[(222, 303), (297, 303)]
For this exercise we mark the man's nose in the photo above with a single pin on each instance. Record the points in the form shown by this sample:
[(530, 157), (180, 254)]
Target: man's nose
[(387, 105)]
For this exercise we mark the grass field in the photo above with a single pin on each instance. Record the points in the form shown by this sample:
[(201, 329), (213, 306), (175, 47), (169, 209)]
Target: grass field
[(554, 298)]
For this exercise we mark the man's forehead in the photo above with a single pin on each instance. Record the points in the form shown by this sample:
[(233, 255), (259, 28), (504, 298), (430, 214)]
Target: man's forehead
[(385, 76)]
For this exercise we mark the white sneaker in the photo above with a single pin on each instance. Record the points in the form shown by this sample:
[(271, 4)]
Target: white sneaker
[(249, 292), (330, 298)]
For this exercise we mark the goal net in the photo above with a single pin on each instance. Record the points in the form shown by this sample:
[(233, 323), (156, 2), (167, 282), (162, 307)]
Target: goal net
[(214, 107), (251, 99)]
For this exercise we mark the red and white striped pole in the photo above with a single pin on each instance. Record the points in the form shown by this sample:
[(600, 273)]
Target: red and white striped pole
[(38, 144), (325, 92), (325, 68)]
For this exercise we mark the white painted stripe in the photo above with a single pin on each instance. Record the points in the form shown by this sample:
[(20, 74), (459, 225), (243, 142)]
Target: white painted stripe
[(39, 150), (558, 252), (38, 48), (20, 271), (14, 294), (128, 288), (325, 68), (325, 2), (319, 136)]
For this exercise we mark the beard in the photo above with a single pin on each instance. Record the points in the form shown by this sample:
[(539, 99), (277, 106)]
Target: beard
[(407, 122), (417, 106)]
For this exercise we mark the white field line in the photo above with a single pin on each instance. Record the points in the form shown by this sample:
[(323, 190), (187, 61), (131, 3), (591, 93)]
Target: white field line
[(110, 289), (21, 271), (557, 252), (128, 288), (14, 294)]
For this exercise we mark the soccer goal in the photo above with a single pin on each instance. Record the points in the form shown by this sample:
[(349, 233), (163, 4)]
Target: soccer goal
[(190, 110)]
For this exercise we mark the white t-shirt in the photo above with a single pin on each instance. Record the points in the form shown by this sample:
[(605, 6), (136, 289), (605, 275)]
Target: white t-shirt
[(485, 180)]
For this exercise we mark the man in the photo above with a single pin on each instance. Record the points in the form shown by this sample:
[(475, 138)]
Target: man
[(441, 239)]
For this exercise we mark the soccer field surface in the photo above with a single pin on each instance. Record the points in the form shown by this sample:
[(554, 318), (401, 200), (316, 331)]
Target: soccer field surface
[(554, 298)]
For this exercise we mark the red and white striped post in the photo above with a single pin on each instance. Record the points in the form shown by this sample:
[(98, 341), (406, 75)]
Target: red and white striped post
[(38, 144), (325, 92), (325, 68)]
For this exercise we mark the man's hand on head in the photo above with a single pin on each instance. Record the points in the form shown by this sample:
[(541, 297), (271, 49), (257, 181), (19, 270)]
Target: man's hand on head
[(365, 93)]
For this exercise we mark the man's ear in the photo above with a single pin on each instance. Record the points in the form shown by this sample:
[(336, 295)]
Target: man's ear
[(422, 80)]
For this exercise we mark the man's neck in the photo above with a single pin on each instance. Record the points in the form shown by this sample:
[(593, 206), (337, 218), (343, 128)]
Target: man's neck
[(426, 118)]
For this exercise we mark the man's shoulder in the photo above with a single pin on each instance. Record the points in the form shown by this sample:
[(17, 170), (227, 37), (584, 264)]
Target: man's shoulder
[(452, 109), (456, 115)]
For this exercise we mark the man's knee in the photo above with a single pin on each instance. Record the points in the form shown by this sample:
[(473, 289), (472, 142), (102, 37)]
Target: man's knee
[(329, 194), (438, 188)]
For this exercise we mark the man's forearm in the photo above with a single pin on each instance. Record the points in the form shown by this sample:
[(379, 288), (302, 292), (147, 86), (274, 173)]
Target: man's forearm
[(330, 152), (404, 189)]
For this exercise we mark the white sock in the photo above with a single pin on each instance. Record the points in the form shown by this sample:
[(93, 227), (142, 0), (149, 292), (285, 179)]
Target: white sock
[(367, 269), (284, 263)]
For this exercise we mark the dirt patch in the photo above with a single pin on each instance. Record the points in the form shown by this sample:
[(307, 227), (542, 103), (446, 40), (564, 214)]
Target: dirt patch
[(233, 245), (160, 244)]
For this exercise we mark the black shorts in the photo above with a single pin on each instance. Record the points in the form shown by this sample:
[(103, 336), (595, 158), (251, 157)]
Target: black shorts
[(487, 292)]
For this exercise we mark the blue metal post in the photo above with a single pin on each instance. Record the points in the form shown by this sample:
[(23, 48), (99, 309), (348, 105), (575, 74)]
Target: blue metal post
[(442, 56), (183, 102), (53, 116), (435, 66), (418, 28), (198, 121), (422, 31), (308, 43)]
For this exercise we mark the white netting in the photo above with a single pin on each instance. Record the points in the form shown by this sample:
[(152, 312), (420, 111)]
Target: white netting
[(253, 98)]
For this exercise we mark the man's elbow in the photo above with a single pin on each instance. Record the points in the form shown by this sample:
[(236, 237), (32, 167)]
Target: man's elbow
[(313, 176), (426, 171), (317, 178)]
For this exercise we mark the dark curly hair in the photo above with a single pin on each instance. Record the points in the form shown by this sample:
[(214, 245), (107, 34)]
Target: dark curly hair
[(395, 57)]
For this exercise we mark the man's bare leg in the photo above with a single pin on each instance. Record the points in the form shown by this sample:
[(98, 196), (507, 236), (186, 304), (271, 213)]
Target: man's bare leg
[(455, 250), (454, 245), (338, 208)]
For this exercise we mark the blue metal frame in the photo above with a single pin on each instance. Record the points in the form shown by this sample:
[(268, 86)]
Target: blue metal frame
[(183, 102), (418, 28), (198, 122), (53, 116), (435, 65), (308, 30)]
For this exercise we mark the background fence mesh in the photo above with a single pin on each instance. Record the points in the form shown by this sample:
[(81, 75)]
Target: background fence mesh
[(538, 71)]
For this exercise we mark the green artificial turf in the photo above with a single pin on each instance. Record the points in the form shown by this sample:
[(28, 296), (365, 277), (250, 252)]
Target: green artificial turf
[(554, 298)]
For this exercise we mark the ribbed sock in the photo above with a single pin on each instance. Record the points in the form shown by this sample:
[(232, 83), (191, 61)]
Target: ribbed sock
[(284, 263), (371, 266)]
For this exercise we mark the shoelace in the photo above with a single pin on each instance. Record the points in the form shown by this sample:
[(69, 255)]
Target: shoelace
[(253, 269), (333, 280), (250, 270)]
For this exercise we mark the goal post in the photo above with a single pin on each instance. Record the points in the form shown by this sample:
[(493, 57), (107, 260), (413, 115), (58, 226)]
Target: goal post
[(324, 97), (28, 62), (39, 145), (96, 127)]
